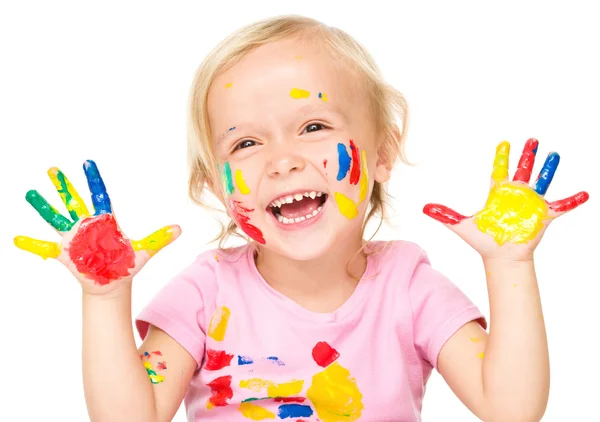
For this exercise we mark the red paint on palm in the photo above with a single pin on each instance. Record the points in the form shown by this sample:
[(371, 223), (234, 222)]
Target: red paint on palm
[(525, 167), (100, 251), (355, 170), (217, 359), (323, 354), (240, 215), (221, 390), (569, 203), (443, 214)]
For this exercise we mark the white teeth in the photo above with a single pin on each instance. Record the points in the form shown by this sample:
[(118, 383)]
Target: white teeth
[(289, 199), (319, 193), (286, 220), (298, 197), (313, 194)]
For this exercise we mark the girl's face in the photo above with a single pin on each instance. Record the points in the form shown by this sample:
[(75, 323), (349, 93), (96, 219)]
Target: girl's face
[(296, 146)]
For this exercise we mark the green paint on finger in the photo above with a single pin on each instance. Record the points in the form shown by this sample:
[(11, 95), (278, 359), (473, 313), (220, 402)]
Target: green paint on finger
[(48, 212)]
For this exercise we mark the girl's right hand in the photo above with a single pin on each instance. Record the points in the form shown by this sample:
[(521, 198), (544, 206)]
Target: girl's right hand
[(93, 247)]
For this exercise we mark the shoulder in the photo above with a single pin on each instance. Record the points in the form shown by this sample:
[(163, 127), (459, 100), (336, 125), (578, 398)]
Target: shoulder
[(397, 257)]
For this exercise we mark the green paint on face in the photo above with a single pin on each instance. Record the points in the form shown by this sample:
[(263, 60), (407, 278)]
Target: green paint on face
[(228, 178), (48, 212)]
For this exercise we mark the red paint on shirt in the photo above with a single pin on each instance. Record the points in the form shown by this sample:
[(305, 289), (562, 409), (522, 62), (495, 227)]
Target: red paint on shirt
[(324, 354), (217, 359)]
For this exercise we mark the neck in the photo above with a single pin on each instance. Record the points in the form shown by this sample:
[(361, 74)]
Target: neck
[(321, 284)]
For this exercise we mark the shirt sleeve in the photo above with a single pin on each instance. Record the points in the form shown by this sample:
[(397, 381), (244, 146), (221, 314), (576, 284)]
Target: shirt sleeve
[(179, 308), (439, 309)]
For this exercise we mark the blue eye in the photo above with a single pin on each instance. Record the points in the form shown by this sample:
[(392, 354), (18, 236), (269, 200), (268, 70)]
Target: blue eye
[(245, 144), (313, 127)]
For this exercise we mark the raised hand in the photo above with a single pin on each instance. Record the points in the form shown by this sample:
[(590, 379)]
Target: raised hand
[(93, 247), (515, 215)]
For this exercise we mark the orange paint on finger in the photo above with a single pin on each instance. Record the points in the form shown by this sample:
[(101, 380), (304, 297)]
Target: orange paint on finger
[(218, 323), (156, 241), (39, 247)]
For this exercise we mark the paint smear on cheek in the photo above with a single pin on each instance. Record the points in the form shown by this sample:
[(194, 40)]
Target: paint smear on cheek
[(513, 213), (100, 251), (297, 93), (325, 163), (218, 323), (255, 412), (221, 392), (364, 181), (228, 85), (346, 205), (335, 395), (343, 161), (241, 183), (240, 215), (228, 178), (355, 171)]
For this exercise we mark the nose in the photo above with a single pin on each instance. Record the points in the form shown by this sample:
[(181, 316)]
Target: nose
[(283, 163)]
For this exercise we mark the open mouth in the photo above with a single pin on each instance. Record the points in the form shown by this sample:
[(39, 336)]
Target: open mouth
[(290, 209)]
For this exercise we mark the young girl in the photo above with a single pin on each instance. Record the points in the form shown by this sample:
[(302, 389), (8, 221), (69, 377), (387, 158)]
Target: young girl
[(294, 130)]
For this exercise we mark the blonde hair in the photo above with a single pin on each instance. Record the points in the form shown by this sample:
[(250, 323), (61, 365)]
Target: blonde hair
[(388, 105)]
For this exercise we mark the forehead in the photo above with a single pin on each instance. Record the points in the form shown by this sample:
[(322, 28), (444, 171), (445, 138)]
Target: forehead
[(260, 85)]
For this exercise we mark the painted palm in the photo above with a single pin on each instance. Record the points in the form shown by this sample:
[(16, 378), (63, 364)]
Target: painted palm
[(93, 247), (515, 214)]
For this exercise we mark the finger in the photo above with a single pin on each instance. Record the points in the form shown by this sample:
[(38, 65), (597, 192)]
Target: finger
[(100, 198), (157, 240), (500, 170), (443, 214), (523, 172), (48, 212), (39, 247), (546, 173), (68, 194), (569, 203)]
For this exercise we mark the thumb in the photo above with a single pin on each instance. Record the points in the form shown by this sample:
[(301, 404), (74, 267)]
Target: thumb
[(157, 240), (443, 214)]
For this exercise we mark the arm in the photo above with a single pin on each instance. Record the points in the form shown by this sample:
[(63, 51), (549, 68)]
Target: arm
[(505, 376), (116, 384)]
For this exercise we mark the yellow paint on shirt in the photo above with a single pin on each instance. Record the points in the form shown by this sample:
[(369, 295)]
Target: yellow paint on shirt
[(364, 179), (346, 205), (241, 183), (299, 93), (156, 241), (218, 323), (255, 412), (500, 171), (335, 395), (228, 85), (255, 384), (513, 213), (285, 389), (39, 247)]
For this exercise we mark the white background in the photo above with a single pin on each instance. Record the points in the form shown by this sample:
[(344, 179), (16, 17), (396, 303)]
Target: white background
[(110, 82)]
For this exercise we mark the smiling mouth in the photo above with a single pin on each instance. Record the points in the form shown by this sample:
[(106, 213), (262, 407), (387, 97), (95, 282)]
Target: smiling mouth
[(291, 209)]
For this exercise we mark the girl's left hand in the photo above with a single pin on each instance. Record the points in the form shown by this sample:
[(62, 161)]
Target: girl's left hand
[(516, 215)]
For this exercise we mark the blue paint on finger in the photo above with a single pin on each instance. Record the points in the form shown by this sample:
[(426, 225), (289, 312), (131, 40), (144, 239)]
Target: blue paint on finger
[(546, 173), (100, 198)]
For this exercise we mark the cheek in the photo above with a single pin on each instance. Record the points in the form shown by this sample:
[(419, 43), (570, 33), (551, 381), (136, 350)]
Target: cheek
[(235, 181)]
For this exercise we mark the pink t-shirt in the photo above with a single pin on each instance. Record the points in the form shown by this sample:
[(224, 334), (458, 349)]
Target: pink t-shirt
[(262, 356)]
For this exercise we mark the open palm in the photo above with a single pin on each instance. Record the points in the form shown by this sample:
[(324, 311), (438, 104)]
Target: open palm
[(516, 214), (92, 247)]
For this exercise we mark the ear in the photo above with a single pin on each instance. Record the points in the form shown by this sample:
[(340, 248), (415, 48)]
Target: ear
[(386, 157)]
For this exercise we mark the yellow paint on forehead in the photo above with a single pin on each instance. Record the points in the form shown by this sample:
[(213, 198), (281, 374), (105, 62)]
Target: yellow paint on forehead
[(335, 395), (513, 213), (346, 205), (241, 183), (299, 93), (255, 412), (218, 323)]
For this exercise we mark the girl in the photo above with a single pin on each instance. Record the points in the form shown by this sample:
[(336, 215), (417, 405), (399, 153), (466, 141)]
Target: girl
[(294, 130)]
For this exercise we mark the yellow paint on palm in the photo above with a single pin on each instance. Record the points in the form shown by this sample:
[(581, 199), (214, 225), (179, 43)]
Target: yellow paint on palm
[(500, 171), (299, 93), (39, 247), (241, 183), (335, 395), (513, 213), (346, 205), (364, 179), (75, 205), (255, 384), (155, 242), (218, 323), (255, 412), (285, 389)]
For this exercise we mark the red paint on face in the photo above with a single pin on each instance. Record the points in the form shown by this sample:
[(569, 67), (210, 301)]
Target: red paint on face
[(355, 170), (217, 359), (325, 163), (443, 214), (324, 355), (240, 215), (221, 390), (100, 251)]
